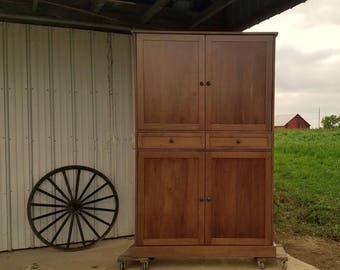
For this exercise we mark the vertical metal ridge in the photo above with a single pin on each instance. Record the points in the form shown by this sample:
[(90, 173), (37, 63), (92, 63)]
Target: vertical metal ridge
[(29, 115), (51, 86), (113, 114), (94, 91), (73, 98), (7, 145)]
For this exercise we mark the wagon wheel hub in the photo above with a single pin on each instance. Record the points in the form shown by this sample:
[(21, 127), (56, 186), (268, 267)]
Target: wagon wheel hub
[(75, 206)]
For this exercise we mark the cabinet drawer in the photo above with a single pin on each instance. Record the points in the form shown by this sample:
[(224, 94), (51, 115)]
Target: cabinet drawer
[(238, 141), (171, 140)]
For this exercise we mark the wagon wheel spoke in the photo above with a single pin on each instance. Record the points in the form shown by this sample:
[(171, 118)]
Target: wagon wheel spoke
[(80, 230), (94, 192), (72, 208), (90, 226), (57, 188), (51, 195), (99, 199), (60, 229), (52, 223), (67, 184), (48, 205), (100, 209), (77, 184), (49, 214), (87, 186), (97, 218), (70, 232)]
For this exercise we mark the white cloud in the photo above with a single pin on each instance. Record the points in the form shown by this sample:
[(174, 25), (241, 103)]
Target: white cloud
[(307, 58)]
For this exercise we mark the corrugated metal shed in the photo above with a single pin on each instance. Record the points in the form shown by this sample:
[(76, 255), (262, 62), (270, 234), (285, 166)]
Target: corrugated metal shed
[(66, 97)]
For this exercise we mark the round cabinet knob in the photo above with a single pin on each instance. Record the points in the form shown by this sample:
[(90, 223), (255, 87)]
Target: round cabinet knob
[(208, 83), (238, 141), (208, 199), (201, 200), (171, 140), (201, 83)]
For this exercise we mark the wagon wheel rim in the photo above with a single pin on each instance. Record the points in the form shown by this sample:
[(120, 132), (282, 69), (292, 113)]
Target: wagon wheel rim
[(76, 218)]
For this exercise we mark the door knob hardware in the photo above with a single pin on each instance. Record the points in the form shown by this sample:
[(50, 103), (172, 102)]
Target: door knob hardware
[(208, 83), (202, 199), (208, 199), (201, 83)]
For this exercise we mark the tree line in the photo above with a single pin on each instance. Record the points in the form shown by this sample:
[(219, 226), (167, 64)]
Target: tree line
[(331, 121)]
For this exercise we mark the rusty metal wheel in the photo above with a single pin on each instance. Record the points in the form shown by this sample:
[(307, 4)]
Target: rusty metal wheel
[(72, 207)]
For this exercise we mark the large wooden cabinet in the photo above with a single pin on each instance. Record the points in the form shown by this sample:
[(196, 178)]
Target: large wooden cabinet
[(204, 144)]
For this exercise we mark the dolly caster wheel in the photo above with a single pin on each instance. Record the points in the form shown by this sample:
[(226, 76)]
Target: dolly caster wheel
[(260, 263), (283, 264), (145, 266)]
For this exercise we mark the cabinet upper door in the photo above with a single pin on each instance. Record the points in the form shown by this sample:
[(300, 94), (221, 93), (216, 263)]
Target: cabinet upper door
[(239, 71), (169, 71)]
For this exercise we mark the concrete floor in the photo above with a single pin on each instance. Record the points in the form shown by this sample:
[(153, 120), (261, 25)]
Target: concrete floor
[(103, 256)]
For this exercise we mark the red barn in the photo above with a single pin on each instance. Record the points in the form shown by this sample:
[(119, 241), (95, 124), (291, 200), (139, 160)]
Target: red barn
[(290, 121)]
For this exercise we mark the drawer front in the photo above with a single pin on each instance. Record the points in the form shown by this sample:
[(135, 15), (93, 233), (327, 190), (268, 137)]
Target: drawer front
[(238, 141), (171, 140)]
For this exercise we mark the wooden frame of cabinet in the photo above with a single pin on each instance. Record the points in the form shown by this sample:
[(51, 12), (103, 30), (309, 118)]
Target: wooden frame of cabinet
[(204, 117)]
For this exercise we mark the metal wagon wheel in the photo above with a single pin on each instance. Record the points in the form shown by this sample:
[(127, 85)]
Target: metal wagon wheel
[(72, 207)]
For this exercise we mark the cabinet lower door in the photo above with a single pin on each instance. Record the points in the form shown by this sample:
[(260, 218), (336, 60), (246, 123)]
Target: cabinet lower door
[(169, 188), (239, 192)]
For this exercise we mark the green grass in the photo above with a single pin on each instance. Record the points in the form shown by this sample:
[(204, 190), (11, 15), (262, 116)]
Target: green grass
[(307, 182)]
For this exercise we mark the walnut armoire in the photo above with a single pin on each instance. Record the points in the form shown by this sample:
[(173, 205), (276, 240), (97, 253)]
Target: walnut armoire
[(204, 131)]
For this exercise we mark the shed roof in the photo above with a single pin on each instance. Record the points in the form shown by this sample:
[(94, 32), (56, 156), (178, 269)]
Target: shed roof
[(124, 15)]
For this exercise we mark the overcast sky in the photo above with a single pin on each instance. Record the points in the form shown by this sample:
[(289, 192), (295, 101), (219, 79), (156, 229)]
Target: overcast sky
[(307, 59)]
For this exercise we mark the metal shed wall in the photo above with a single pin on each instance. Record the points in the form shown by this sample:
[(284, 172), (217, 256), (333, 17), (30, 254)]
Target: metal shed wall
[(66, 97)]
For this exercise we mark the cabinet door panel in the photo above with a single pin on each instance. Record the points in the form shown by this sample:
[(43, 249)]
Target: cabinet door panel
[(169, 71), (240, 71), (170, 185), (239, 185)]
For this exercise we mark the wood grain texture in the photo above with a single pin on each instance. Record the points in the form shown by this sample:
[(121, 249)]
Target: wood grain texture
[(204, 164), (169, 71), (170, 185), (236, 183), (234, 141), (240, 72), (171, 140), (202, 251)]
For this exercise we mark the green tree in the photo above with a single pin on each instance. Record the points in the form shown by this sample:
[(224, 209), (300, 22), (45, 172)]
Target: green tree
[(331, 121)]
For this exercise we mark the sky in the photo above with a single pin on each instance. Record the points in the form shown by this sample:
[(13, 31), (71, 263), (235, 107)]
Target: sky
[(307, 59)]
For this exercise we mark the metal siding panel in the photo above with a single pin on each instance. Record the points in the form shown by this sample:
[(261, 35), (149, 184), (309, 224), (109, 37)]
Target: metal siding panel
[(83, 106), (79, 110), (62, 97), (62, 103), (102, 122), (41, 116), (19, 134), (83, 98), (124, 133), (3, 114)]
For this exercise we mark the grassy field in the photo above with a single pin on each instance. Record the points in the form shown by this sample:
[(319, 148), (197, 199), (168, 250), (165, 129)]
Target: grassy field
[(307, 182)]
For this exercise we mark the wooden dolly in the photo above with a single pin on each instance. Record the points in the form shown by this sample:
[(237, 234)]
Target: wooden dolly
[(126, 258)]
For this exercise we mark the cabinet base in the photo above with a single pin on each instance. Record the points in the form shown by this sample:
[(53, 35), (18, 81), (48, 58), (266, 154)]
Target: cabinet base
[(202, 251)]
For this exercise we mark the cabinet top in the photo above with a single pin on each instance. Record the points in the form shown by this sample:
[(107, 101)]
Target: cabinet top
[(141, 31)]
